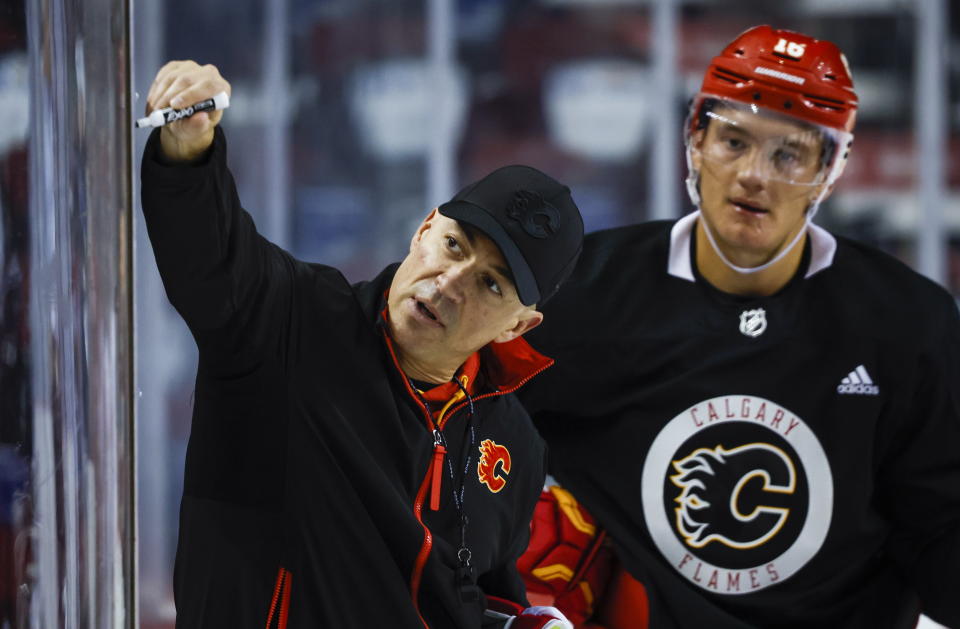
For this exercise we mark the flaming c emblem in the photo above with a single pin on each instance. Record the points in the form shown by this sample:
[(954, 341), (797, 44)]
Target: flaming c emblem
[(491, 455), (712, 505)]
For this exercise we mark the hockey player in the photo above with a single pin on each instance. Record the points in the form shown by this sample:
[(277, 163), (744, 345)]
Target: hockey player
[(356, 458), (763, 416)]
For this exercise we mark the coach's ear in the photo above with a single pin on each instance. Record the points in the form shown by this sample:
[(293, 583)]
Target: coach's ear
[(530, 319), (422, 228)]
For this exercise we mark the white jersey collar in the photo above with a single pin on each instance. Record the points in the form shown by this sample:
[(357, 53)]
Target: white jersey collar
[(823, 246)]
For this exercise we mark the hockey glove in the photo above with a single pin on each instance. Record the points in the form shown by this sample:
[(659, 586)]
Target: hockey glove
[(566, 563), (518, 617)]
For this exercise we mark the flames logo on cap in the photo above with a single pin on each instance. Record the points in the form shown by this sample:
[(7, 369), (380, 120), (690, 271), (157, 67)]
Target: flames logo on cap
[(711, 506), (537, 217), (492, 455)]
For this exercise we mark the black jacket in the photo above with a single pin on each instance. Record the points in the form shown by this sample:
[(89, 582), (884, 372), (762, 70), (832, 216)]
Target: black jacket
[(309, 450), (761, 462)]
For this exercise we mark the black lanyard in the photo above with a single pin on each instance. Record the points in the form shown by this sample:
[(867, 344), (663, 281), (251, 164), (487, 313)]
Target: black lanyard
[(466, 575), (466, 578)]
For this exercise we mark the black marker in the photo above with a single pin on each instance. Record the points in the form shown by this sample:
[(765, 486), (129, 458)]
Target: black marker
[(167, 115)]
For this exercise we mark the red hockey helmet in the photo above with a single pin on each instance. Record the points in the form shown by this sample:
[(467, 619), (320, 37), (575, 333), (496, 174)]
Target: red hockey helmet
[(787, 72), (780, 74)]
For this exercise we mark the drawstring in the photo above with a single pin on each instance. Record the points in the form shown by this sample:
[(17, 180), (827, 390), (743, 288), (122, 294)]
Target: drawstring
[(466, 393)]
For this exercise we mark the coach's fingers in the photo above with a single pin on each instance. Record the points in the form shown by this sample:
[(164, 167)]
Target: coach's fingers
[(169, 73), (203, 89)]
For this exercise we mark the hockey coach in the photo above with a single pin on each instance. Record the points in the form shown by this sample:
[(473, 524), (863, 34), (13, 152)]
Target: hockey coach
[(357, 457)]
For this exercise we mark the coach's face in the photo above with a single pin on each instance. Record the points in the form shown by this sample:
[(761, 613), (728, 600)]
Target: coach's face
[(452, 294)]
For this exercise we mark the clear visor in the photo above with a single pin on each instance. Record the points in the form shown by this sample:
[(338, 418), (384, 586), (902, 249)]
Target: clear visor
[(730, 136)]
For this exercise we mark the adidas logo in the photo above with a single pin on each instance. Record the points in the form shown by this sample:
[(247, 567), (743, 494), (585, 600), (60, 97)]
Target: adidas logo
[(858, 382)]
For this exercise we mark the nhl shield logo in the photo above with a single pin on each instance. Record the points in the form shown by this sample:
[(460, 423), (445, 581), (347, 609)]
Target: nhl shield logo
[(753, 323)]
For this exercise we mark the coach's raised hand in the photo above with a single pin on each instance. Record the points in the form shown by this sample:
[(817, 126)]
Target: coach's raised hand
[(180, 84)]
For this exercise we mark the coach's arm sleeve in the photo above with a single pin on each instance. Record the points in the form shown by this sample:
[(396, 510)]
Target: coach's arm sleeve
[(921, 482), (227, 282)]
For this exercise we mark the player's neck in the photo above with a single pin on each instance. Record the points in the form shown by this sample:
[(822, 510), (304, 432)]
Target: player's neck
[(762, 283)]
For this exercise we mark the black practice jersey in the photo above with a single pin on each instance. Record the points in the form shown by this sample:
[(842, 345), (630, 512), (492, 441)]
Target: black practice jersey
[(781, 461)]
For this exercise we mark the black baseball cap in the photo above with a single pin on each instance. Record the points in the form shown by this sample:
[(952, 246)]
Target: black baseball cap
[(532, 218)]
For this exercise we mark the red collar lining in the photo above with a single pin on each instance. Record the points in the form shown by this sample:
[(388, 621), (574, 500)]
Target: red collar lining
[(507, 366)]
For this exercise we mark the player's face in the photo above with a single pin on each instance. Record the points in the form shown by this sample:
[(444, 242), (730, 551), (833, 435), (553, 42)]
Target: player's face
[(452, 294), (758, 176)]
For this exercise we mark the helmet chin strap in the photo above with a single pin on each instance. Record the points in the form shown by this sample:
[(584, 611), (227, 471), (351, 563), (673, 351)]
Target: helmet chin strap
[(843, 140), (754, 269), (744, 270)]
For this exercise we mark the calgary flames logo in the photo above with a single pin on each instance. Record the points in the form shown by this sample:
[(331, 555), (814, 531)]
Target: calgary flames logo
[(537, 217), (714, 504), (737, 494), (491, 455)]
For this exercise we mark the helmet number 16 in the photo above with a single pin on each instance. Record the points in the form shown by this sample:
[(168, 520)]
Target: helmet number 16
[(790, 48)]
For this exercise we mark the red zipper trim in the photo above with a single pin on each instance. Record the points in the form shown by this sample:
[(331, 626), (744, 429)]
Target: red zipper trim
[(527, 379), (427, 546), (284, 604), (425, 549)]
